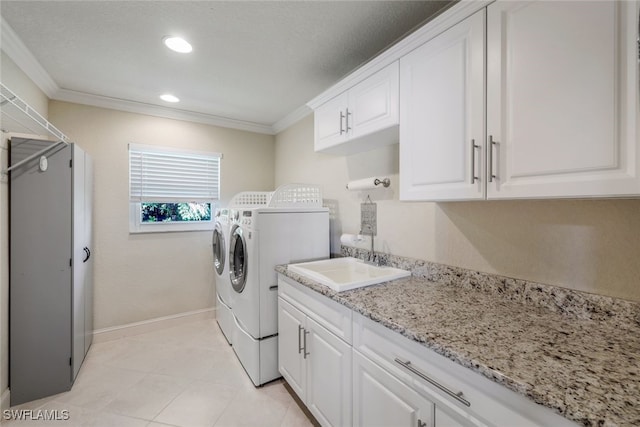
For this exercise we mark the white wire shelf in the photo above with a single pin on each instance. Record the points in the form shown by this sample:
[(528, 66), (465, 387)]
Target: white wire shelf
[(19, 117)]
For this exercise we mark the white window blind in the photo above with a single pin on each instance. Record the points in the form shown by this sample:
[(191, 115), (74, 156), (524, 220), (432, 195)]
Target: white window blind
[(158, 174)]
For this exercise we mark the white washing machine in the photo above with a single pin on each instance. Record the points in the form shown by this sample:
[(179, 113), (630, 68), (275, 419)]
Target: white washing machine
[(220, 244), (260, 239)]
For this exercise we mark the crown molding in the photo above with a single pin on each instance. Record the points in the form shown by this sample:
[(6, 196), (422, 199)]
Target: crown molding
[(13, 46), (291, 118), (24, 59), (19, 53), (429, 30), (158, 111)]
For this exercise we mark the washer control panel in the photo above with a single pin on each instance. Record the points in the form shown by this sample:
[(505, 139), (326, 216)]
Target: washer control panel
[(244, 218)]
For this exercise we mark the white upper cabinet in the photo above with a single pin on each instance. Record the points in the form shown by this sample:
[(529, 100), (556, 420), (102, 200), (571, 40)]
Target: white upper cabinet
[(558, 115), (361, 118), (442, 115), (562, 99), (330, 127)]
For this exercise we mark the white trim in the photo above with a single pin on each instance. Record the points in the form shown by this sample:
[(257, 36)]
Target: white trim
[(293, 117), (442, 22), (158, 111), (165, 149), (22, 56), (137, 227), (13, 46), (5, 400), (159, 323)]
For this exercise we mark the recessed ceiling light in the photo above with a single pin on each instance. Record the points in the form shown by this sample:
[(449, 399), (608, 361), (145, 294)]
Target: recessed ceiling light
[(167, 97), (177, 44)]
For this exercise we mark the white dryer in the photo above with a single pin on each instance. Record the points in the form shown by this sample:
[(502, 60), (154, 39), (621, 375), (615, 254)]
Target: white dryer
[(260, 239), (220, 244)]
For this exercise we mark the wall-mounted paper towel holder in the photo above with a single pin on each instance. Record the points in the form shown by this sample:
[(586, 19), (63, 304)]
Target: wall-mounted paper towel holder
[(368, 183)]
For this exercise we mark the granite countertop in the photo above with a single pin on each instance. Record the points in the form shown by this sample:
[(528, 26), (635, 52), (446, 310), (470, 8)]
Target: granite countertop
[(586, 370)]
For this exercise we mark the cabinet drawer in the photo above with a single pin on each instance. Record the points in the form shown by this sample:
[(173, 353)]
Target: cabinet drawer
[(488, 402), (333, 316)]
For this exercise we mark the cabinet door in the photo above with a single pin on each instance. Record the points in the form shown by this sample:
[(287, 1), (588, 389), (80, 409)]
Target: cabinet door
[(41, 298), (328, 376), (80, 257), (373, 103), (380, 399), (291, 362), (442, 115), (562, 99), (330, 123), (443, 419), (88, 235)]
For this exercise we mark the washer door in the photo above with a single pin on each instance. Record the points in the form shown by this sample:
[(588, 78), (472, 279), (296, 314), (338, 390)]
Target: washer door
[(237, 259), (219, 250)]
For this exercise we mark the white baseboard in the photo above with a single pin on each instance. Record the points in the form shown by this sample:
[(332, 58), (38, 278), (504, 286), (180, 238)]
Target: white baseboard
[(4, 400), (136, 328)]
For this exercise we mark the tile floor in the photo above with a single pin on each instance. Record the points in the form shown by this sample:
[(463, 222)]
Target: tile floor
[(186, 375)]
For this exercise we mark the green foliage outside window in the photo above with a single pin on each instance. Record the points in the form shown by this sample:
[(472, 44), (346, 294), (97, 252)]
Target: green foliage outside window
[(175, 212)]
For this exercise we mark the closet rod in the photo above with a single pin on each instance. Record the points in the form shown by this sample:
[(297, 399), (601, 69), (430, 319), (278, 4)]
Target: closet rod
[(8, 97), (33, 156)]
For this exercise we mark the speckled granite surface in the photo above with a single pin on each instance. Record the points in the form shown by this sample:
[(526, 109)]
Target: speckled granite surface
[(558, 348)]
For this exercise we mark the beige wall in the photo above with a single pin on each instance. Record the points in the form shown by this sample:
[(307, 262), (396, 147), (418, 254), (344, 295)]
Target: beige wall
[(145, 276), (12, 77), (589, 245)]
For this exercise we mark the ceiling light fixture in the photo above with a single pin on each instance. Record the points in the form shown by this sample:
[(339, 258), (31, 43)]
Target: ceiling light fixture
[(177, 44), (167, 97)]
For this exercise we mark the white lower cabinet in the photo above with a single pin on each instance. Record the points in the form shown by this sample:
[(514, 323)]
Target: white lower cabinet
[(315, 362), (442, 419), (351, 370), (328, 376), (458, 396), (291, 361), (380, 399)]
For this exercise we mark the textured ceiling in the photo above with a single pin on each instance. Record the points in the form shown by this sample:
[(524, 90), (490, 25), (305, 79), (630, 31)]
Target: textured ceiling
[(252, 61)]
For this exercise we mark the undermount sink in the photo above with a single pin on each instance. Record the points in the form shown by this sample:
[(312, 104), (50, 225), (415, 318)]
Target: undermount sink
[(343, 274)]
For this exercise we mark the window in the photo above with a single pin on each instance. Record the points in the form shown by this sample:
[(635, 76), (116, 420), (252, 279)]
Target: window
[(172, 189)]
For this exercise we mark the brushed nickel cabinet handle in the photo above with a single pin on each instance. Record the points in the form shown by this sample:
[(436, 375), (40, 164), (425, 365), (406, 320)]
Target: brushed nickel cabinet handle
[(474, 147), (456, 395), (492, 143), (306, 353), (341, 119), (300, 328)]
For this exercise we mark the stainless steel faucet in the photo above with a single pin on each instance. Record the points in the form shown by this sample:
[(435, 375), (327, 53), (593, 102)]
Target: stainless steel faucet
[(372, 259)]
